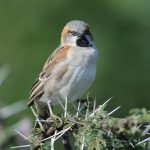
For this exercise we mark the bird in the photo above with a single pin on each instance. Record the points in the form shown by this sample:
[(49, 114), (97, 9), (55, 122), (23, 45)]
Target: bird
[(69, 70)]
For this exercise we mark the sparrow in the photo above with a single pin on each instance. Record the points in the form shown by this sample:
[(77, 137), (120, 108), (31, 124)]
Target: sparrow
[(68, 71)]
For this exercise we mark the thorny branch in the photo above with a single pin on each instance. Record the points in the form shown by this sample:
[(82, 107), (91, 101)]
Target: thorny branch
[(93, 129)]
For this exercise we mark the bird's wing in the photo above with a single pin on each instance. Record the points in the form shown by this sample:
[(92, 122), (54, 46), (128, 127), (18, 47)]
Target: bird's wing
[(37, 89)]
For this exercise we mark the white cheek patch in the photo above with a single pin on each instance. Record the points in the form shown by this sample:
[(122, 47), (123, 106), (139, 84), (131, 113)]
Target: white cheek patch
[(72, 41)]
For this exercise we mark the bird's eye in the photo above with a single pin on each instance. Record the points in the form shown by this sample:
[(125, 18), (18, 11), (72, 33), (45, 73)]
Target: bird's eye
[(74, 33)]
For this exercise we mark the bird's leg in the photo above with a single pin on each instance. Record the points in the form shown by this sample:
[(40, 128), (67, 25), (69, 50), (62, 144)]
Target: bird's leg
[(53, 119), (50, 107)]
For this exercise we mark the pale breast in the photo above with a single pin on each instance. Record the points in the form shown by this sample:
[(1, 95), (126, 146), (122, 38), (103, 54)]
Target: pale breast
[(78, 70), (81, 73), (79, 82)]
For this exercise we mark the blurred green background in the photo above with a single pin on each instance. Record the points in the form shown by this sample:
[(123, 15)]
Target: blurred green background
[(30, 31)]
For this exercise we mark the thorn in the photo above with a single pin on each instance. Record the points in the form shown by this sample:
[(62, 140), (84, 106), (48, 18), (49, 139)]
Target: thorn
[(113, 110), (74, 121), (21, 146), (37, 118), (61, 104), (53, 140), (143, 141), (63, 107), (81, 109), (99, 108), (94, 107), (77, 111), (146, 130), (131, 144), (63, 133), (34, 135), (21, 135), (82, 145), (65, 111), (106, 102), (54, 135), (88, 93)]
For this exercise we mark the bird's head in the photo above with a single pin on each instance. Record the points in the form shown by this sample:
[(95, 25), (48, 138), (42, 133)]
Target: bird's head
[(77, 33)]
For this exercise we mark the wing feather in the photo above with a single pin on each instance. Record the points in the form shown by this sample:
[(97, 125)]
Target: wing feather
[(37, 89)]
